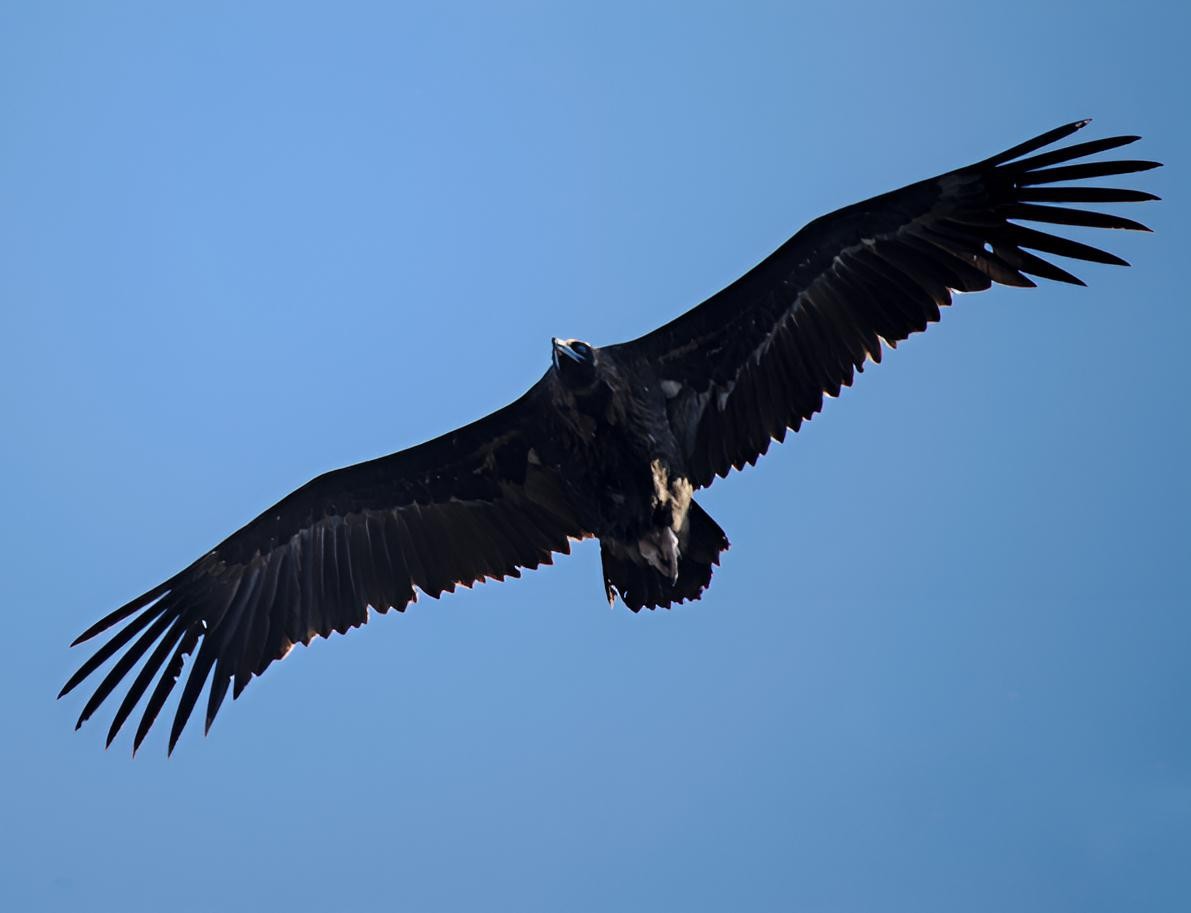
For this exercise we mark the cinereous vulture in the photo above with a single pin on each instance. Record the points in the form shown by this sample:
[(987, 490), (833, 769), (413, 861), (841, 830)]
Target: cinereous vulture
[(613, 442)]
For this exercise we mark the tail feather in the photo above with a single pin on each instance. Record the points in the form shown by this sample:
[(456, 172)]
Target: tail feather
[(640, 585)]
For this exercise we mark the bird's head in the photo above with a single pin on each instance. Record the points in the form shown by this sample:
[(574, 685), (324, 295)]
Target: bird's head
[(574, 362)]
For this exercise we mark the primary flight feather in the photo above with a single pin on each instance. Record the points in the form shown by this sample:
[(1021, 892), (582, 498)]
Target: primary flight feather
[(612, 442)]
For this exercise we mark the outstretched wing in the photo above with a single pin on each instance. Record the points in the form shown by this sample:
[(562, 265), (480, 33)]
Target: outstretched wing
[(472, 504), (755, 359)]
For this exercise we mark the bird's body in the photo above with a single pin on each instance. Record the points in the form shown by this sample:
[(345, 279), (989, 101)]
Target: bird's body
[(612, 443)]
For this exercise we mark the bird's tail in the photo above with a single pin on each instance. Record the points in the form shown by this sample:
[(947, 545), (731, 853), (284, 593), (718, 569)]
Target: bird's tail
[(641, 585)]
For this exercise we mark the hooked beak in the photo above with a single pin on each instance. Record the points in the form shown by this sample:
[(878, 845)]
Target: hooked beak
[(563, 348)]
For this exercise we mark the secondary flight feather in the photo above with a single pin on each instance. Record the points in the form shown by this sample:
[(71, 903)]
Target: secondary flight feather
[(612, 442)]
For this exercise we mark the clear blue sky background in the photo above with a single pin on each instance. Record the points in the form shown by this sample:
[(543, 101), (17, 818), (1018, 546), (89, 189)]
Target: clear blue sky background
[(944, 666)]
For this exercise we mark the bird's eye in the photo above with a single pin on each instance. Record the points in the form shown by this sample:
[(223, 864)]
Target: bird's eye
[(582, 348)]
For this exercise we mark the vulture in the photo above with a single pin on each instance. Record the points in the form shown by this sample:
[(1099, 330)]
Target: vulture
[(613, 442)]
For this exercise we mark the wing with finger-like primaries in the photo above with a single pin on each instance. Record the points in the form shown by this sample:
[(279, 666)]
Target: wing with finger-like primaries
[(470, 505), (757, 358)]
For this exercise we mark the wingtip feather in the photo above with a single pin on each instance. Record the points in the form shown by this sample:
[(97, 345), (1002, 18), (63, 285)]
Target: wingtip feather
[(133, 605), (1037, 142)]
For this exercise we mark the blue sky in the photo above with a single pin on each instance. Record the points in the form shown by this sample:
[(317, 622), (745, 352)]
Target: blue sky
[(943, 666)]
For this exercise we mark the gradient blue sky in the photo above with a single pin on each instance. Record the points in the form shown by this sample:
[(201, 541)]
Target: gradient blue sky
[(943, 667)]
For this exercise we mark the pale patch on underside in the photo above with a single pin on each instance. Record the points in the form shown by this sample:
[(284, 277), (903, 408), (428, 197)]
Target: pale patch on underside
[(671, 388), (674, 492), (661, 481), (659, 548)]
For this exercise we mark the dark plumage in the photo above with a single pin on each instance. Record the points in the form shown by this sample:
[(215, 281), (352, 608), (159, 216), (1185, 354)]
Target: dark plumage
[(612, 442)]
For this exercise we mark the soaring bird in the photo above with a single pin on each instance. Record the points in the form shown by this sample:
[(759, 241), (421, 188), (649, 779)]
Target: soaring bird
[(613, 442)]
